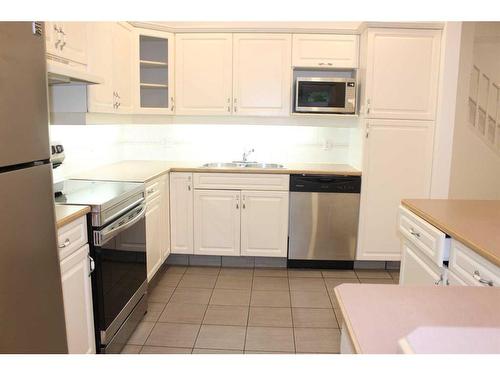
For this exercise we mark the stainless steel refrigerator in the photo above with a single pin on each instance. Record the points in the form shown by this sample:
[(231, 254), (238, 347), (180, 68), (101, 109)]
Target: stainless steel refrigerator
[(31, 302)]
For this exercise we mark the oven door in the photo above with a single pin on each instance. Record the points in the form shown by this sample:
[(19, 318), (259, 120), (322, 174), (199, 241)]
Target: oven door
[(322, 95), (120, 278)]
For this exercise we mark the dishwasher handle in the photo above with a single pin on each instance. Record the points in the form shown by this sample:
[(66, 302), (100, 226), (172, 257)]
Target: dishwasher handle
[(325, 183)]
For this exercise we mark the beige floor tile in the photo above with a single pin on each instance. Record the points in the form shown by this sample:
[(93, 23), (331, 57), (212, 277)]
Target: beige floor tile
[(307, 283), (268, 298), (141, 333), (314, 318), (338, 315), (270, 317), (164, 350), (237, 272), (154, 311), (339, 274), (266, 352), (333, 282), (234, 282), (317, 340), (202, 270), (192, 295), (160, 294), (271, 272), (373, 274), (297, 272), (131, 349), (270, 339), (176, 269), (198, 281), (377, 281), (173, 335), (226, 315), (230, 297), (221, 337), (310, 298), (270, 283), (216, 351), (183, 313), (169, 279)]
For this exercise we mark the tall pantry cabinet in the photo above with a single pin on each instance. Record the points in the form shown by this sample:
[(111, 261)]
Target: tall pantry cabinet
[(400, 71)]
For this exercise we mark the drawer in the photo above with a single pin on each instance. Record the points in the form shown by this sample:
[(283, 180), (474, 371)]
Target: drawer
[(429, 240), (153, 189), (241, 181), (470, 267), (71, 237)]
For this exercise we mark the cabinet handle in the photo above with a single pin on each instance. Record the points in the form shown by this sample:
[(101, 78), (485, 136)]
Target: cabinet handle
[(237, 203), (189, 187), (65, 244), (91, 264), (150, 191), (440, 280), (413, 233), (117, 95), (173, 103), (62, 45), (367, 106), (235, 106), (244, 204), (321, 64), (330, 64), (477, 277)]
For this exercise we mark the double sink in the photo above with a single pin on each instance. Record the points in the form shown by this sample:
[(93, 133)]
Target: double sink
[(243, 164)]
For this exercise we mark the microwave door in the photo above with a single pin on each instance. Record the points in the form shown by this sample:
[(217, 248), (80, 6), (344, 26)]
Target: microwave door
[(326, 97)]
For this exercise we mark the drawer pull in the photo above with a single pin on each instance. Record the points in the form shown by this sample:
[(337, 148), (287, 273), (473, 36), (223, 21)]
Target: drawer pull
[(65, 244), (477, 277), (150, 191), (413, 233)]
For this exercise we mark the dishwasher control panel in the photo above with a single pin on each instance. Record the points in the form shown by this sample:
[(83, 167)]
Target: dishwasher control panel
[(325, 183)]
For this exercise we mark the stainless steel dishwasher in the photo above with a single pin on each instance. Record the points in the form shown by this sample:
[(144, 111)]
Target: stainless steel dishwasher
[(324, 215)]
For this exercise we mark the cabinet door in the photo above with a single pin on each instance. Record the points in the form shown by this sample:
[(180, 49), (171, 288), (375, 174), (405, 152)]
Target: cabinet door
[(165, 213), (397, 164), (181, 213), (100, 62), (122, 67), (416, 268), (77, 295), (325, 51), (217, 222), (261, 74), (402, 73), (153, 236), (264, 223), (203, 78), (74, 41)]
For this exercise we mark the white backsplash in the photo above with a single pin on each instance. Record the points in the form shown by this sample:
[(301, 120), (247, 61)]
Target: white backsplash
[(89, 146)]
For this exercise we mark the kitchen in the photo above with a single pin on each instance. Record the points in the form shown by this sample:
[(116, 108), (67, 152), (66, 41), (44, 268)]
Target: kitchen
[(251, 187)]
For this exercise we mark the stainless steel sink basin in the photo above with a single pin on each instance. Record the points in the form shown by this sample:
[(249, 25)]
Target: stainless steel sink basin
[(243, 165)]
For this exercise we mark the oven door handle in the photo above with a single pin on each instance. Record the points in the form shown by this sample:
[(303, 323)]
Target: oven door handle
[(104, 235)]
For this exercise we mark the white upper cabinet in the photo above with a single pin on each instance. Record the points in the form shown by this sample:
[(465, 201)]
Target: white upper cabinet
[(397, 164), (110, 57), (264, 223), (217, 222), (402, 69), (181, 213), (325, 50), (261, 74), (203, 78), (67, 40), (153, 76)]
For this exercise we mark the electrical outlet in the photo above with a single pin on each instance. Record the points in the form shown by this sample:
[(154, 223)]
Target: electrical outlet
[(327, 145)]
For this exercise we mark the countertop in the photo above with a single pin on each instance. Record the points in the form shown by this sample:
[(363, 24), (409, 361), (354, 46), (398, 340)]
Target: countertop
[(146, 170), (475, 223), (376, 317), (65, 214)]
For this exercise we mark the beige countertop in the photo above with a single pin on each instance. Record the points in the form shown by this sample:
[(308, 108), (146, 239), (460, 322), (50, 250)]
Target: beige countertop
[(146, 170), (475, 223), (376, 317), (65, 214)]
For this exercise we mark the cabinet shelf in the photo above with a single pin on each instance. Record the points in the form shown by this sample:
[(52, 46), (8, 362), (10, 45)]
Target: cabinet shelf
[(154, 85), (153, 64)]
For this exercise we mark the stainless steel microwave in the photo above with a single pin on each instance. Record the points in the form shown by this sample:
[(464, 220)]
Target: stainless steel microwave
[(325, 95)]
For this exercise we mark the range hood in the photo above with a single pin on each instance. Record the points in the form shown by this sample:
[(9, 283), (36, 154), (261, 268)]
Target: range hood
[(60, 74)]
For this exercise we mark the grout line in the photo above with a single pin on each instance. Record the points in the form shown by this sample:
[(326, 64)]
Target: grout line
[(291, 312), (248, 311)]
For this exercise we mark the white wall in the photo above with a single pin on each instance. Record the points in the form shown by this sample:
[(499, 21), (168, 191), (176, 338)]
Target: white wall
[(475, 168)]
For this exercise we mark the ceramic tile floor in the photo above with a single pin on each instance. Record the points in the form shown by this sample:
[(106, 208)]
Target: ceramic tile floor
[(245, 310)]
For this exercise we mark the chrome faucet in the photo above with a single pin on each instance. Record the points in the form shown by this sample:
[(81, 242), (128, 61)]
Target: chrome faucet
[(246, 154)]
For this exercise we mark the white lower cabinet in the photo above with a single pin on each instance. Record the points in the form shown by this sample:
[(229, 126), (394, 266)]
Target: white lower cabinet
[(417, 269), (264, 223), (181, 213), (217, 222), (77, 296)]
